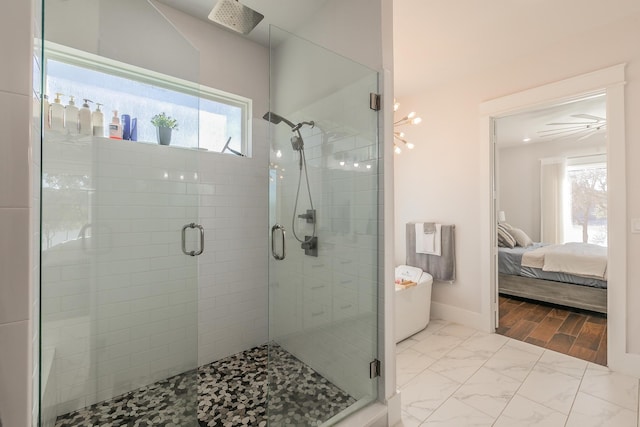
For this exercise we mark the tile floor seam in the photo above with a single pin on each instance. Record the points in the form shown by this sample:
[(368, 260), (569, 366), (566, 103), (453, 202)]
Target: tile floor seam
[(575, 396), (638, 406), (476, 371), (445, 401), (520, 386), (604, 400), (461, 384)]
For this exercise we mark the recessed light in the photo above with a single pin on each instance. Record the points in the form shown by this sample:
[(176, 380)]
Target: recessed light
[(526, 140)]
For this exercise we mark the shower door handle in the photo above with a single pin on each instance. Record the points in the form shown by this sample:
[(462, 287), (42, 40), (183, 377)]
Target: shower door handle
[(184, 239), (273, 242)]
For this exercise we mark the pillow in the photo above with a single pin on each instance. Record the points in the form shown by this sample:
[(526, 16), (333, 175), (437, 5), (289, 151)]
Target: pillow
[(521, 237), (505, 239)]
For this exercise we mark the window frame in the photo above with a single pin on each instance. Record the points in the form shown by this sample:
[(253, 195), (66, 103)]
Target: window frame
[(75, 57), (579, 163)]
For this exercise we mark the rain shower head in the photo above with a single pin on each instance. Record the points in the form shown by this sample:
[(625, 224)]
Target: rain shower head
[(276, 119), (235, 16)]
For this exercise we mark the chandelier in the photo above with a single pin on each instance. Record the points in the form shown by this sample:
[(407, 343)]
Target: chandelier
[(398, 135)]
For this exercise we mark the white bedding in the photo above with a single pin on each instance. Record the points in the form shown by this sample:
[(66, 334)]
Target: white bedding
[(580, 259)]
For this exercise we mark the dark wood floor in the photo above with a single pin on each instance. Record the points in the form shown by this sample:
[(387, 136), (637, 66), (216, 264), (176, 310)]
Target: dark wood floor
[(577, 333)]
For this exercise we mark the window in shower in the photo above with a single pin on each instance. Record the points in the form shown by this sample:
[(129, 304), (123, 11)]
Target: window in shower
[(207, 118)]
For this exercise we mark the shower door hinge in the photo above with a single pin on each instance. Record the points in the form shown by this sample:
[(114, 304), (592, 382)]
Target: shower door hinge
[(374, 101), (374, 368)]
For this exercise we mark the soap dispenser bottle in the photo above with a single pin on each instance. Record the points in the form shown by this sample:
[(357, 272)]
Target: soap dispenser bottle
[(57, 114), (71, 116), (84, 118), (115, 129), (97, 120)]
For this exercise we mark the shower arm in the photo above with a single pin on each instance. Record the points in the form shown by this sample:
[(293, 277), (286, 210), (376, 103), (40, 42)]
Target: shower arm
[(297, 127)]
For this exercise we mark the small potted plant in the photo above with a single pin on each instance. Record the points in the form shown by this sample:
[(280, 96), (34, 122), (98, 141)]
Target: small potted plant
[(164, 125)]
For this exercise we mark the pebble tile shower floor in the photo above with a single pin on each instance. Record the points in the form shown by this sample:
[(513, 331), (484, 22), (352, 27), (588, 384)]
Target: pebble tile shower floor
[(230, 392)]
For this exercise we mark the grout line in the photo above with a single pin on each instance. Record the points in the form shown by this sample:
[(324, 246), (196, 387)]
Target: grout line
[(577, 391), (521, 383)]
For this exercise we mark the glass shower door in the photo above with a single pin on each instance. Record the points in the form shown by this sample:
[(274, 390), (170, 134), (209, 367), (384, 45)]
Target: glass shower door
[(119, 235), (323, 270)]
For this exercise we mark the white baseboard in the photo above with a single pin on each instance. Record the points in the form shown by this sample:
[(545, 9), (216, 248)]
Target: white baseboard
[(394, 409), (458, 315), (373, 415)]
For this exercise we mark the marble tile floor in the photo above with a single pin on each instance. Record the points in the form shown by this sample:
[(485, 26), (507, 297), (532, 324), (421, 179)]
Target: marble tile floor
[(452, 375)]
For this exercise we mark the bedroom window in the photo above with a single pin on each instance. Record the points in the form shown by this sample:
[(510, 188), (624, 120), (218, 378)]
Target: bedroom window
[(586, 200)]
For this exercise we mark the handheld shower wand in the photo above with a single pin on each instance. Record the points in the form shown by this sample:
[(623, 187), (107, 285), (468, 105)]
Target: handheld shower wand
[(309, 244)]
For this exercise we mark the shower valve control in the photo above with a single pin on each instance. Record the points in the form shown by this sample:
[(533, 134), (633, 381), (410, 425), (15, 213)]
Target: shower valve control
[(310, 246), (310, 216)]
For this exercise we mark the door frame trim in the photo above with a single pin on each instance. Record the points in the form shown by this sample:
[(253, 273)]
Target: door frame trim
[(610, 81)]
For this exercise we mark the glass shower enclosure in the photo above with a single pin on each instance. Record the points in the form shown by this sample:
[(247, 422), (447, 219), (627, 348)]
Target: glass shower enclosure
[(323, 213), (145, 315)]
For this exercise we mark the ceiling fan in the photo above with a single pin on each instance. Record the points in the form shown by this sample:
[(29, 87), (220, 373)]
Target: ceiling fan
[(591, 125)]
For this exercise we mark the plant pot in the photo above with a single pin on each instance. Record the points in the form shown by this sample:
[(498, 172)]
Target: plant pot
[(164, 135)]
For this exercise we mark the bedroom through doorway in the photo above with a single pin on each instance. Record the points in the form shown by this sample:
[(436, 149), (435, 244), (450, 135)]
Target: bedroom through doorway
[(550, 172)]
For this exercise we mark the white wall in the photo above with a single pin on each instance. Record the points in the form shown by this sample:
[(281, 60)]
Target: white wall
[(439, 179), (18, 25), (355, 30), (143, 37), (518, 172)]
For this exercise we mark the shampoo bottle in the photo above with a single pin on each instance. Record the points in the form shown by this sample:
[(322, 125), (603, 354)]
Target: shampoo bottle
[(57, 114), (71, 115), (85, 119), (115, 129), (126, 126), (97, 119)]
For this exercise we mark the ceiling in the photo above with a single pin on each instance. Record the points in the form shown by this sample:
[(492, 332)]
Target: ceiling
[(436, 40), (555, 123), (285, 14), (439, 40)]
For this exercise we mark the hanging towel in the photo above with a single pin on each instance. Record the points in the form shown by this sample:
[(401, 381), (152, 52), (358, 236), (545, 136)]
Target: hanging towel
[(443, 267), (428, 238)]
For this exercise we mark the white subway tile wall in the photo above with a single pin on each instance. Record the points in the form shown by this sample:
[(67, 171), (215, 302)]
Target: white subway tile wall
[(232, 299), (124, 307)]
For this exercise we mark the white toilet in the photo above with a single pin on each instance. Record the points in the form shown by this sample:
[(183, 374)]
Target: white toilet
[(413, 305)]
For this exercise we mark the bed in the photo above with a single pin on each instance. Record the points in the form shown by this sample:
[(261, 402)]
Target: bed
[(582, 285)]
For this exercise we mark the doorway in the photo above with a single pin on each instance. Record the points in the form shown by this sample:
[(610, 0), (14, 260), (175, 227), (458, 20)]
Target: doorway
[(551, 181), (608, 81)]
